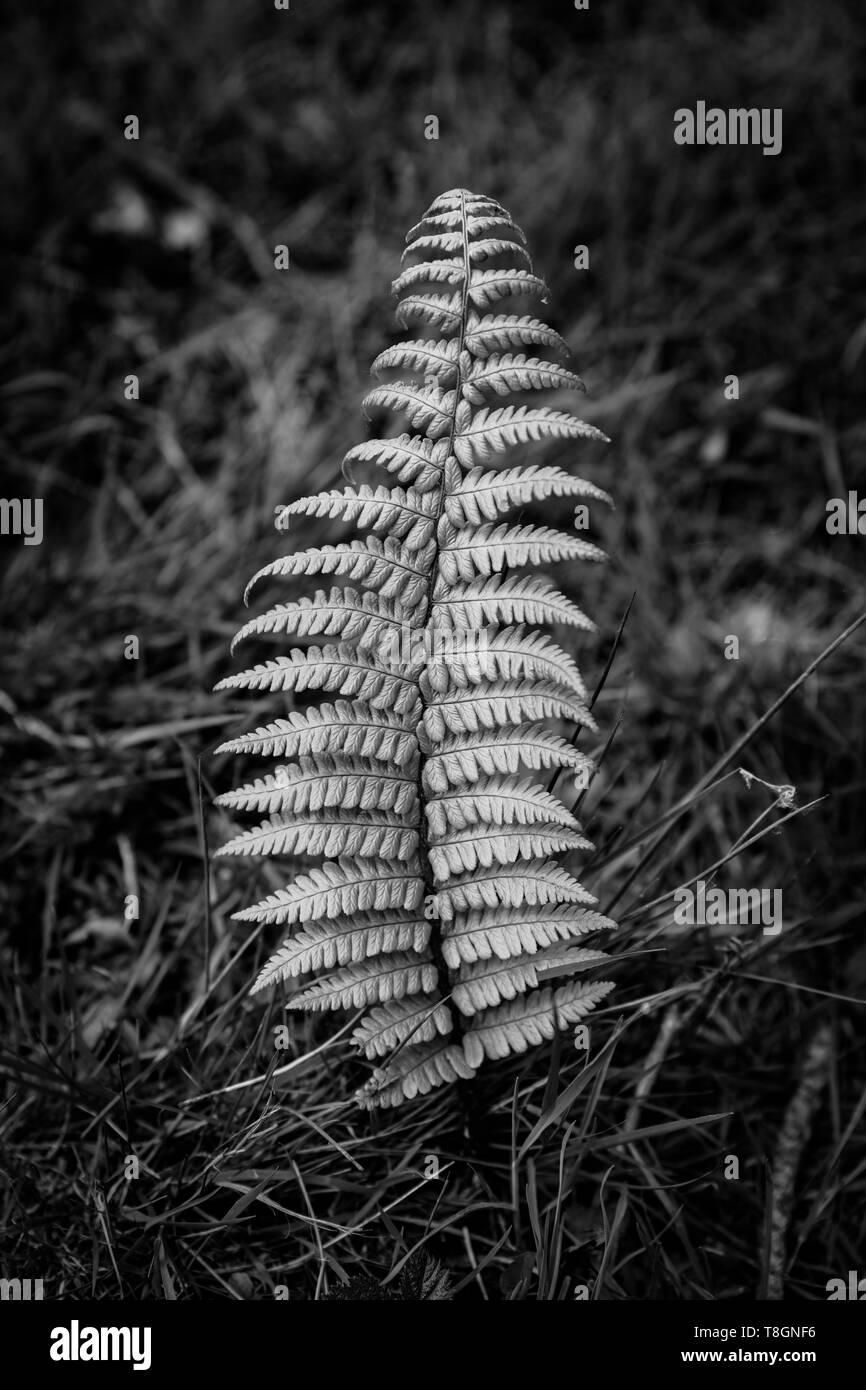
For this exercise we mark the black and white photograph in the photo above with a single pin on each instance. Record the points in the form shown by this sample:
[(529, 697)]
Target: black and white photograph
[(432, 735)]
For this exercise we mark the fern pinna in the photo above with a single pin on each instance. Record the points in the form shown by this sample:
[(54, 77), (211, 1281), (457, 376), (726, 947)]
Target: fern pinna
[(438, 903)]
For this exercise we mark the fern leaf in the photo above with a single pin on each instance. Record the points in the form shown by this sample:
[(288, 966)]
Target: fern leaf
[(530, 1019), (486, 983), (468, 711), (508, 654), (484, 496), (486, 432), (495, 801), (411, 458), (372, 981), (502, 375), (403, 515), (484, 550), (315, 784), (529, 884), (389, 1025), (496, 333), (425, 407), (507, 932), (346, 941), (488, 286), (458, 761), (435, 904), (438, 359), (351, 728), (386, 567), (440, 311), (330, 835), (466, 851), (338, 889), (414, 1072), (513, 600), (343, 668), (448, 271)]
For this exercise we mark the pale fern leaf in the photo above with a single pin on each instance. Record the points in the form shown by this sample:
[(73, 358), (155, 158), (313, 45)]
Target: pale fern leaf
[(346, 941), (351, 728), (482, 496), (372, 981), (343, 668), (404, 515), (410, 457), (341, 888), (328, 834), (508, 932), (496, 801), (438, 359), (530, 1019), (468, 711), (389, 1025), (519, 599), (383, 566), (315, 784), (465, 851), (501, 332), (486, 983), (461, 760), (427, 408), (502, 375), (484, 550), (414, 1072), (522, 884)]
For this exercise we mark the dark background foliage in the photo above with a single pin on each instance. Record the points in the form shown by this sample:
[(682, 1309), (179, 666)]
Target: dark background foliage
[(155, 257)]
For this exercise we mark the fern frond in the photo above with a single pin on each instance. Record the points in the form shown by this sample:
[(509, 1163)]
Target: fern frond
[(511, 653), (393, 570), (469, 711), (521, 884), (484, 550), (464, 852), (502, 375), (500, 332), (352, 728), (458, 761), (346, 669), (437, 905), (425, 407), (530, 1019), (438, 359), (401, 514), (315, 784), (341, 888), (389, 1025), (485, 432), (330, 835), (486, 983), (513, 600), (414, 1072), (508, 932), (410, 457), (339, 613), (495, 801), (346, 940), (372, 981), (483, 496)]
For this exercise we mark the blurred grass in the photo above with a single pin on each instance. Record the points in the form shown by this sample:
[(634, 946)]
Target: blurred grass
[(306, 128)]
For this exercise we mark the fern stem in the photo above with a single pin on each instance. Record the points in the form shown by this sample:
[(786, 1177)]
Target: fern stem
[(444, 974)]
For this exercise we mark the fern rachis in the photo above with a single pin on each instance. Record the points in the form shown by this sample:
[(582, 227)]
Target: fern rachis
[(438, 902)]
